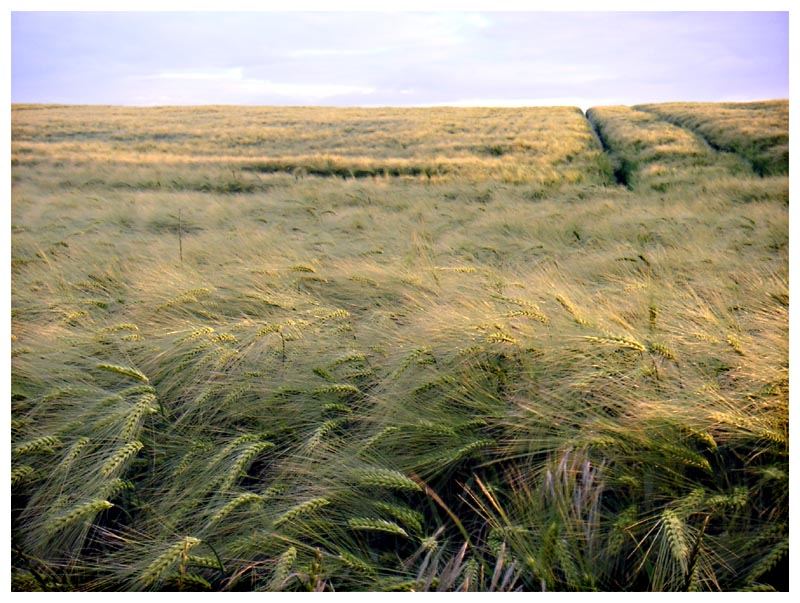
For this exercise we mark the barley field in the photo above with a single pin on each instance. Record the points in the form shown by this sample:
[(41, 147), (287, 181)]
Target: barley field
[(289, 349)]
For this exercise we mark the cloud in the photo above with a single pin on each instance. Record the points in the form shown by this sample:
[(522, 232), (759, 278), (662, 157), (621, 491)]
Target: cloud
[(231, 85), (306, 53), (566, 101), (359, 58)]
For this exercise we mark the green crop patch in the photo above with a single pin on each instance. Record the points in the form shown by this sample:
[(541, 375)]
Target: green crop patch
[(295, 349)]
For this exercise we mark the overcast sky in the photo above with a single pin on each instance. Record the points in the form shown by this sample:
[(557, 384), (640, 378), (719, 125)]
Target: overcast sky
[(369, 59)]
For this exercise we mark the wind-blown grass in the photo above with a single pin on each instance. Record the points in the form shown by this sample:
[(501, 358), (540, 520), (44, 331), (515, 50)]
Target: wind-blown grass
[(396, 383)]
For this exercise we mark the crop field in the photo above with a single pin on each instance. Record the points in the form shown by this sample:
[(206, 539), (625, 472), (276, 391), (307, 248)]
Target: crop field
[(282, 349)]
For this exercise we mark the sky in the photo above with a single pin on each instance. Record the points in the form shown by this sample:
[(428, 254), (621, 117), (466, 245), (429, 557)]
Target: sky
[(397, 59)]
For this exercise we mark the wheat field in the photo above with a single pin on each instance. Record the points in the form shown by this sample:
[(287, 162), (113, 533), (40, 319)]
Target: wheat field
[(282, 349)]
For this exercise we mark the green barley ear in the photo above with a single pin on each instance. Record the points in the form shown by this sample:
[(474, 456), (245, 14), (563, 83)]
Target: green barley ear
[(675, 533), (386, 478), (341, 389), (282, 569), (376, 525), (145, 406), (470, 449), (42, 444), (120, 456), (243, 459), (321, 431), (125, 371), (205, 562), (409, 517), (303, 508), (115, 486), (242, 499), (373, 440), (356, 563), (84, 511), (178, 551), (21, 474), (770, 560), (74, 451)]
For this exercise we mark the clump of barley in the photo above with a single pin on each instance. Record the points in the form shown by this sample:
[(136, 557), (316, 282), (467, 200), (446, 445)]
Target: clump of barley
[(206, 562), (184, 580), (529, 313), (225, 338), (247, 438), (200, 332), (769, 561), (528, 309), (373, 440)]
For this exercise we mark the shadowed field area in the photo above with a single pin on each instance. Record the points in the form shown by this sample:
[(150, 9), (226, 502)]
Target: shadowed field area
[(428, 349)]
